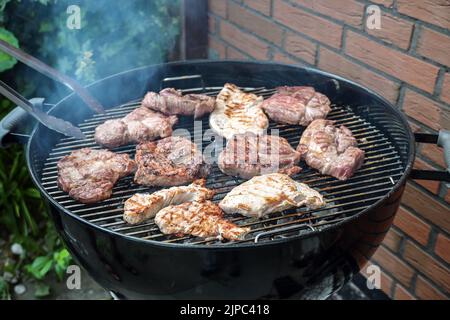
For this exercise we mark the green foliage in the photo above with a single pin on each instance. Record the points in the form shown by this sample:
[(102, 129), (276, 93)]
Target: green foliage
[(4, 290), (114, 36), (6, 61), (18, 195), (58, 261)]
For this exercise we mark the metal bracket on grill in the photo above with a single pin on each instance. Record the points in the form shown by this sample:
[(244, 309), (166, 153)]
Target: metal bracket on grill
[(281, 230), (185, 78)]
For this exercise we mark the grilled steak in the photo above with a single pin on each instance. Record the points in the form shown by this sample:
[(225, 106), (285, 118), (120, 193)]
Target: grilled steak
[(248, 155), (296, 105), (171, 101), (333, 151), (140, 125), (171, 161), (237, 112), (269, 193), (201, 219), (141, 207), (89, 175)]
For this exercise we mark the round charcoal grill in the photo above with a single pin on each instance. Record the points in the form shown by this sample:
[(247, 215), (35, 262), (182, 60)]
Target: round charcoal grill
[(299, 253), (381, 170)]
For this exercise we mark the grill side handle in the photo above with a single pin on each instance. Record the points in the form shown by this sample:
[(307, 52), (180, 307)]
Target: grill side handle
[(14, 127), (442, 140)]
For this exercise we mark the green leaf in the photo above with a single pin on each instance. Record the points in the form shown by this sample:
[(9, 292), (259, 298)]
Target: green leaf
[(42, 290), (40, 267), (32, 193), (6, 61), (62, 259)]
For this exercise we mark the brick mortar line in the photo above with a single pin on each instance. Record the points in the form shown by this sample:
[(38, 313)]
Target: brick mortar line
[(229, 45), (268, 43), (397, 49), (252, 10), (394, 11), (415, 35), (428, 221), (401, 96), (363, 32), (427, 248), (349, 27), (422, 126), (321, 15), (361, 63), (395, 280), (439, 83), (415, 273), (295, 58), (428, 95), (429, 162)]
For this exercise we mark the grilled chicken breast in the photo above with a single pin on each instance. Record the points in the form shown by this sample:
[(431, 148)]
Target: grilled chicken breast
[(296, 105), (171, 101), (269, 193), (237, 112), (140, 125), (247, 155), (171, 161), (141, 207), (201, 219), (89, 175), (331, 150)]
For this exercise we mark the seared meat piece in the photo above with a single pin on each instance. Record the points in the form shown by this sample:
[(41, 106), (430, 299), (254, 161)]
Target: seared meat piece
[(201, 219), (296, 105), (89, 175), (248, 155), (333, 151), (171, 161), (140, 125), (269, 193), (171, 101), (237, 112), (141, 207)]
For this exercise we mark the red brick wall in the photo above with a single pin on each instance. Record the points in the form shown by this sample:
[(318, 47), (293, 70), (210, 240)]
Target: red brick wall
[(407, 61)]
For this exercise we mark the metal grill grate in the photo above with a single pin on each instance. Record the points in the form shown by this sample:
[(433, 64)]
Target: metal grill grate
[(381, 170)]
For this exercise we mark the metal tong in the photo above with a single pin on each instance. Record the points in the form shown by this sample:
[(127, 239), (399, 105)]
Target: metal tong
[(51, 122)]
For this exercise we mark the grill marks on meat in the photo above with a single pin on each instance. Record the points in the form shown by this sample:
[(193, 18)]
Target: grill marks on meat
[(171, 101), (140, 125), (89, 175), (248, 155), (333, 151), (141, 207), (269, 193), (237, 112), (171, 161), (296, 105), (201, 219)]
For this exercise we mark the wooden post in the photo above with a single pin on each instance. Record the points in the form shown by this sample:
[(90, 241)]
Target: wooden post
[(194, 35)]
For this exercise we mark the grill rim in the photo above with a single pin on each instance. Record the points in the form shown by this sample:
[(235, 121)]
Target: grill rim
[(233, 246)]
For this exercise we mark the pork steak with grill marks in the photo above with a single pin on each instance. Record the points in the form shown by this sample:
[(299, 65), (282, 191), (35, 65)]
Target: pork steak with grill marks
[(248, 155), (331, 150), (138, 126), (171, 161), (89, 175), (237, 112), (296, 105), (171, 101), (201, 219)]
